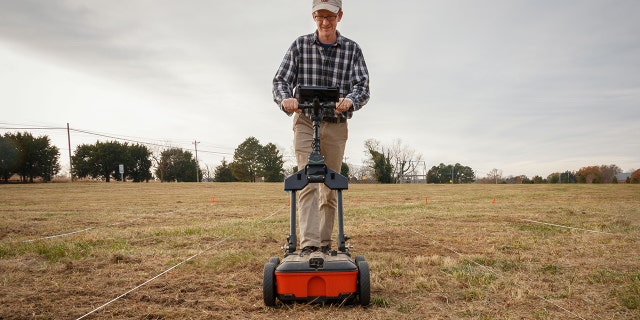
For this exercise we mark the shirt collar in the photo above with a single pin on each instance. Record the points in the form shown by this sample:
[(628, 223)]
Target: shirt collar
[(339, 39)]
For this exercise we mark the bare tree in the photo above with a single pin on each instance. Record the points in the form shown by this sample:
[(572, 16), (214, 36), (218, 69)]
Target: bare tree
[(495, 175), (207, 173), (406, 160), (403, 160), (361, 172), (609, 172)]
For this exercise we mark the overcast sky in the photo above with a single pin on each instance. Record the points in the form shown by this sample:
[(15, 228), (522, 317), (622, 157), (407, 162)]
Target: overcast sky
[(524, 86)]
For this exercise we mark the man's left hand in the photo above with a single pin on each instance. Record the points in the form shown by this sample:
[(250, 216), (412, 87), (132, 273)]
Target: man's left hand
[(343, 105)]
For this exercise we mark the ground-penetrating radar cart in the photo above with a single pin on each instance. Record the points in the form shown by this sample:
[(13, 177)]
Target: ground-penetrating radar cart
[(318, 276)]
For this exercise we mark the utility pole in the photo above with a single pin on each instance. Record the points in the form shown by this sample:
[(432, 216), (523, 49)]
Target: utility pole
[(195, 143), (70, 164)]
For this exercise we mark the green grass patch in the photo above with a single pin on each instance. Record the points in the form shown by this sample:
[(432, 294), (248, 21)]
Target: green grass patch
[(629, 292), (603, 276), (379, 301), (471, 275), (178, 232), (56, 251), (550, 269)]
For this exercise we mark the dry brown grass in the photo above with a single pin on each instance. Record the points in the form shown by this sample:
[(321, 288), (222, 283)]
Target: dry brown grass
[(458, 257)]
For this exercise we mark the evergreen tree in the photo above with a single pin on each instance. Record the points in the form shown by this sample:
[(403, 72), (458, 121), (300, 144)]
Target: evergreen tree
[(223, 173), (8, 158), (177, 165), (271, 163), (451, 174), (36, 157), (344, 170), (102, 160), (138, 165), (246, 160)]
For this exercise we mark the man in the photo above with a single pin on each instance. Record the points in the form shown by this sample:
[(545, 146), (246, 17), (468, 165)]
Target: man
[(323, 58)]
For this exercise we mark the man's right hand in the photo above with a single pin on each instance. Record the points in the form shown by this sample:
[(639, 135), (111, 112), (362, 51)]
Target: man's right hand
[(290, 105)]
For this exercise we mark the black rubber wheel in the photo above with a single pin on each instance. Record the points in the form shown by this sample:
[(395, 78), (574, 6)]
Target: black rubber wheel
[(364, 283), (269, 285), (359, 258), (274, 260)]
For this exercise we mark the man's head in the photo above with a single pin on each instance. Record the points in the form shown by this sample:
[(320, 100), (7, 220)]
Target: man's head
[(331, 5), (327, 14)]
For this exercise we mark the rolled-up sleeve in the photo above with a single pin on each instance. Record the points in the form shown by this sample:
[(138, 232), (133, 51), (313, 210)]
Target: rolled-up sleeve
[(359, 92), (286, 77)]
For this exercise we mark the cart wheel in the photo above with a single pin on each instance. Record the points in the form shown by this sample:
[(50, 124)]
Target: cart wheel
[(269, 285), (274, 260), (358, 259), (364, 284)]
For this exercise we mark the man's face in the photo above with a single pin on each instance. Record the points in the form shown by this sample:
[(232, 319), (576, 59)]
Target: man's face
[(327, 22)]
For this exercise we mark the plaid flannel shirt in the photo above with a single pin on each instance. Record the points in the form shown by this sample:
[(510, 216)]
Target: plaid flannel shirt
[(309, 63)]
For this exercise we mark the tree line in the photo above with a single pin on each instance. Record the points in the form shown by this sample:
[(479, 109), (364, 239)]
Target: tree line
[(588, 174), (35, 158)]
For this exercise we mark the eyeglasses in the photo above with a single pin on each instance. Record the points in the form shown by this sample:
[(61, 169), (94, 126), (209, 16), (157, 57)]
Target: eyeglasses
[(329, 18)]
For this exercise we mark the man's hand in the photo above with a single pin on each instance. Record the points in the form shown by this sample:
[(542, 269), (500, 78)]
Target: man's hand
[(290, 105), (343, 105)]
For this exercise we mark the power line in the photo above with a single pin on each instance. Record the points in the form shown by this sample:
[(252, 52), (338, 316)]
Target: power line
[(111, 136), (10, 126), (32, 128)]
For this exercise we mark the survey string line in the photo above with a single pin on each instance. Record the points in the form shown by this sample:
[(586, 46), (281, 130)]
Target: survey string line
[(60, 235), (489, 269), (567, 227), (271, 215), (443, 246), (89, 229), (155, 277), (169, 269)]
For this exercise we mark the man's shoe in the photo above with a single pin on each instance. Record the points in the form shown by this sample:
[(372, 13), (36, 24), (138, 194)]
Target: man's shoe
[(308, 250), (325, 249)]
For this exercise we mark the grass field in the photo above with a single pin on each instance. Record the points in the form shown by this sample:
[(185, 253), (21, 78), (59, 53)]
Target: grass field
[(435, 252)]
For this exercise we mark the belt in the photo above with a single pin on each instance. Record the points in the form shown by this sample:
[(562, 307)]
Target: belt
[(334, 119), (331, 119)]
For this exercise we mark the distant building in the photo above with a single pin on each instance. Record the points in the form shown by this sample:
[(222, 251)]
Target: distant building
[(622, 177)]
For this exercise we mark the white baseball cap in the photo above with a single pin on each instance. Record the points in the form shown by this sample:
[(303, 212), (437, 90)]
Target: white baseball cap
[(331, 5)]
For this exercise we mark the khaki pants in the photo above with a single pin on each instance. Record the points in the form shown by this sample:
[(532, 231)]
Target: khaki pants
[(318, 204)]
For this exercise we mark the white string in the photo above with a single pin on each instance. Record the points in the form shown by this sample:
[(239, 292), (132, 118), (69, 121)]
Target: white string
[(157, 276), (445, 247), (164, 272), (86, 229), (560, 307), (60, 235), (484, 267), (271, 215), (561, 226)]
